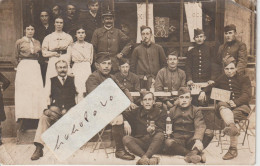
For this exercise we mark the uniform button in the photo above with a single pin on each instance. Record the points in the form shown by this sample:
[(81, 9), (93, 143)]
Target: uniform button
[(183, 120), (229, 84), (199, 69), (233, 97), (124, 83), (183, 112), (230, 88), (200, 61), (228, 47), (200, 57), (199, 50), (199, 73), (229, 80), (199, 65), (124, 79)]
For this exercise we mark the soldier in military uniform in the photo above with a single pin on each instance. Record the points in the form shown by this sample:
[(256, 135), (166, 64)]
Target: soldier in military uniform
[(125, 77), (146, 136), (233, 47), (92, 19), (238, 105), (199, 62), (110, 39), (170, 78), (189, 136), (104, 65)]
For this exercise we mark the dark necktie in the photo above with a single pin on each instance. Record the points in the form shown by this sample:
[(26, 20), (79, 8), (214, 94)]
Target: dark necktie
[(63, 80)]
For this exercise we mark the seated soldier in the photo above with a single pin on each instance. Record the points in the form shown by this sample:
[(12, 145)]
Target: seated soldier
[(148, 123), (104, 65), (199, 63), (125, 77), (189, 136), (237, 107), (62, 95), (170, 78)]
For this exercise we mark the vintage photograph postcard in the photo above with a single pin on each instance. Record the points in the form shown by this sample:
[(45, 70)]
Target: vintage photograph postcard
[(128, 82)]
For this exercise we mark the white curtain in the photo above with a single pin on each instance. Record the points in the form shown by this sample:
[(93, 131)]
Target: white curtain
[(141, 19), (194, 17)]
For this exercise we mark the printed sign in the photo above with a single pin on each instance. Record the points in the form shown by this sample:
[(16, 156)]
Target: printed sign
[(220, 94), (86, 119)]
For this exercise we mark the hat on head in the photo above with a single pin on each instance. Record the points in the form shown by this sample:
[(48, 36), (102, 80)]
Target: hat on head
[(145, 27), (228, 59), (102, 56), (108, 13), (230, 28), (198, 32), (123, 61), (183, 90)]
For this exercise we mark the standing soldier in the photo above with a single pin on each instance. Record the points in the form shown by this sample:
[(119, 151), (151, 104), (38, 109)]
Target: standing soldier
[(92, 19), (109, 39), (42, 30), (199, 63), (147, 58), (233, 47)]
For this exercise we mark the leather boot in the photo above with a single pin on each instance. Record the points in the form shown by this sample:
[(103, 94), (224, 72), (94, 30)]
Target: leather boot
[(154, 161), (231, 130), (38, 152), (144, 160), (231, 153), (193, 157), (118, 134), (123, 154)]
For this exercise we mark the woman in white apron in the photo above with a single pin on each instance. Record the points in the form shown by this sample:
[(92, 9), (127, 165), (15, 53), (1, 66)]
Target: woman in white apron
[(54, 47), (28, 80), (81, 53)]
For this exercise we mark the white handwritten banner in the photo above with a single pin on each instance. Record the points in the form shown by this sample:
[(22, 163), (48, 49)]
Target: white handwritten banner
[(194, 17), (220, 94), (86, 119)]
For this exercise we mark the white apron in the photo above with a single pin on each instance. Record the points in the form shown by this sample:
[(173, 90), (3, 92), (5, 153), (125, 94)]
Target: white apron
[(28, 90)]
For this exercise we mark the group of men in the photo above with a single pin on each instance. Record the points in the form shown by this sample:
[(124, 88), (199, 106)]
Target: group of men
[(141, 130)]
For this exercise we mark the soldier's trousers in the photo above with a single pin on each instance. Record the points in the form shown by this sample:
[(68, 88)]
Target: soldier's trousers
[(145, 145), (182, 144)]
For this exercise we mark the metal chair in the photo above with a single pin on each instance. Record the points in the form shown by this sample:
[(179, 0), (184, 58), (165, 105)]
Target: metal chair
[(242, 125)]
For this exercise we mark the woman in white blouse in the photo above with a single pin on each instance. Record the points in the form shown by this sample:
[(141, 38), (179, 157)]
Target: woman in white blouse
[(81, 53), (28, 80), (54, 47)]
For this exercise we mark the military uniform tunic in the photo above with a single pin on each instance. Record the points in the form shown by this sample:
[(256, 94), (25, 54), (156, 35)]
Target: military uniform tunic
[(198, 63), (237, 50)]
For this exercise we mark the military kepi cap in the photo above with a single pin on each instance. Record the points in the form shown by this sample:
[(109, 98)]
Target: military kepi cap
[(198, 32), (230, 28), (123, 61), (227, 60), (108, 13), (183, 90), (102, 56)]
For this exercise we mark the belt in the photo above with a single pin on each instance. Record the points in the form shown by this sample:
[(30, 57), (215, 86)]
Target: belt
[(62, 51)]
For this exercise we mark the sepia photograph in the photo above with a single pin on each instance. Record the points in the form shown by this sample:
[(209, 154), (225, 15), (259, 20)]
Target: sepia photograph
[(128, 82)]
